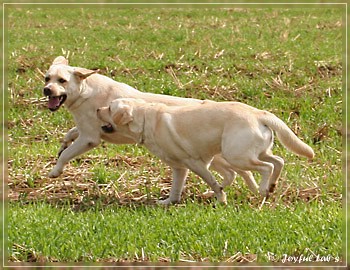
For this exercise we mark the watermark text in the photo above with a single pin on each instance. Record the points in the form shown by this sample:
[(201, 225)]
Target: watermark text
[(302, 258)]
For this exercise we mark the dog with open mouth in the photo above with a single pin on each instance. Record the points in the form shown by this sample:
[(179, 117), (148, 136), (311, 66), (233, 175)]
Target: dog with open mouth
[(58, 80), (82, 91), (55, 102)]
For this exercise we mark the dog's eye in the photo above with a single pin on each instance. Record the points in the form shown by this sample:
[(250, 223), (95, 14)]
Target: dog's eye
[(61, 80), (47, 79)]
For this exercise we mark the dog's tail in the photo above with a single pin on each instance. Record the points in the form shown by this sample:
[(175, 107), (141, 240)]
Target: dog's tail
[(286, 135)]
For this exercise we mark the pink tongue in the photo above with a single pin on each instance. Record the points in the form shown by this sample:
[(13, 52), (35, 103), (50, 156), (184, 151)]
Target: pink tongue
[(54, 102)]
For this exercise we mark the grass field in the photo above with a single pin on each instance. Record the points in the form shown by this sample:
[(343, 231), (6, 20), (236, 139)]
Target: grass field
[(102, 209)]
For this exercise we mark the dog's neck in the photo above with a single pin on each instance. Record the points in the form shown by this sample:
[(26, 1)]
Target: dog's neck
[(142, 134), (147, 112), (83, 96)]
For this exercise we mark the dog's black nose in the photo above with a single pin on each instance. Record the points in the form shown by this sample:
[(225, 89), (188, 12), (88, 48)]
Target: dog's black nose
[(47, 91), (108, 128)]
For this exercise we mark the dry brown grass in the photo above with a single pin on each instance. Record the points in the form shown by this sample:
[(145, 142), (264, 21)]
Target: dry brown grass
[(77, 186)]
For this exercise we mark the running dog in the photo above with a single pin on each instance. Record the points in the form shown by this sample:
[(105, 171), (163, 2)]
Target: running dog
[(83, 91), (188, 137)]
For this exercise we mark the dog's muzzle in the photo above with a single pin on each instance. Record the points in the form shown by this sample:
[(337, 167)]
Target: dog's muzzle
[(55, 102), (108, 128), (47, 91)]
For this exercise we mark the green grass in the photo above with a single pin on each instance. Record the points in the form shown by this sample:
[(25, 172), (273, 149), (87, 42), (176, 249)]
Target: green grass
[(191, 232), (287, 61)]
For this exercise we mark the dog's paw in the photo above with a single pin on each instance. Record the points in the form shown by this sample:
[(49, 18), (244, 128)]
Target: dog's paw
[(167, 202), (208, 194), (54, 173), (264, 192), (272, 188), (222, 198)]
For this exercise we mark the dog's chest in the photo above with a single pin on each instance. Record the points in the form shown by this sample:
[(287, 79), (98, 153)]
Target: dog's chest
[(153, 147), (162, 152)]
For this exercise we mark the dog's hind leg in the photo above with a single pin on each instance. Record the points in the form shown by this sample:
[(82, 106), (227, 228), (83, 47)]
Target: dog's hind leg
[(247, 165), (229, 174), (68, 139), (266, 170), (278, 164), (250, 181), (201, 168), (179, 179), (220, 165)]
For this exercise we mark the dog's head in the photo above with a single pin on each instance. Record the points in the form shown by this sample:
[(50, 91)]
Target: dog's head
[(120, 114), (62, 82)]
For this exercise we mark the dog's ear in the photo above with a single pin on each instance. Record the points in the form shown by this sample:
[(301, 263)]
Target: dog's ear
[(83, 73), (123, 115), (60, 60)]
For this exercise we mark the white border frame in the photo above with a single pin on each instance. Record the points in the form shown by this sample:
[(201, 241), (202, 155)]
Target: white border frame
[(137, 265)]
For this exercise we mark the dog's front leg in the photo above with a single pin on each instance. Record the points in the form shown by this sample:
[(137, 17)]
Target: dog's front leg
[(80, 146), (179, 179), (70, 137)]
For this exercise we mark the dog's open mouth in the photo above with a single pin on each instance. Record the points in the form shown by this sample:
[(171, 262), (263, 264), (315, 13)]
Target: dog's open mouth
[(108, 128), (56, 102)]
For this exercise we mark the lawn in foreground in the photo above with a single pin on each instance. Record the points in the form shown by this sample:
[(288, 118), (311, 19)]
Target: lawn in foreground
[(287, 61), (191, 231)]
